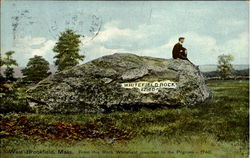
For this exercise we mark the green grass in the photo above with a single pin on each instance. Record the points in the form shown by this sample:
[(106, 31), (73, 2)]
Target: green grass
[(215, 129)]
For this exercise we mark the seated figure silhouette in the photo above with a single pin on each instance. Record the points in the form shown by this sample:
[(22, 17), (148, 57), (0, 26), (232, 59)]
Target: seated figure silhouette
[(179, 52)]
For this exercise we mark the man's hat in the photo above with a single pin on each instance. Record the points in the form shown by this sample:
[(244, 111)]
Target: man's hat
[(180, 38)]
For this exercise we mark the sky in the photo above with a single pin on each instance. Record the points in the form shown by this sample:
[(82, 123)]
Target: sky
[(147, 28)]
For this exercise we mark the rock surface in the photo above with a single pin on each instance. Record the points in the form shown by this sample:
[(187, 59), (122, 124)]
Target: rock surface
[(120, 82)]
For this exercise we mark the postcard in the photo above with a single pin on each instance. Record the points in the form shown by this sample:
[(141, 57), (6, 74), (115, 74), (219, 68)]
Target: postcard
[(124, 79)]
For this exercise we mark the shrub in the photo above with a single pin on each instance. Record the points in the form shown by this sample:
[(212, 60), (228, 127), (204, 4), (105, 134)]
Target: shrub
[(12, 99)]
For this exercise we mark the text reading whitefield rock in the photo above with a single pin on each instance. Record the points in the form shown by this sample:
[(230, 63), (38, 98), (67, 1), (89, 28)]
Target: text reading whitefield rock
[(150, 87)]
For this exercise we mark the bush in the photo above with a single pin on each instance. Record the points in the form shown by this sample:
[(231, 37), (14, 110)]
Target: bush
[(12, 99)]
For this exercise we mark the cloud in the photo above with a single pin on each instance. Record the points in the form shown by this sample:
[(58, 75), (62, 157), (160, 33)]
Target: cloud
[(112, 39), (146, 40), (150, 28), (112, 33), (238, 47), (202, 48), (31, 46), (44, 49)]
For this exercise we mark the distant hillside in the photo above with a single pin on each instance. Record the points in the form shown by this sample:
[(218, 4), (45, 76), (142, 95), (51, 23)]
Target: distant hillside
[(18, 73), (207, 68), (236, 73)]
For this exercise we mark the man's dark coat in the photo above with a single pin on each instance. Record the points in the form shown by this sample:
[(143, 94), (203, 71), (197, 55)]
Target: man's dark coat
[(179, 51)]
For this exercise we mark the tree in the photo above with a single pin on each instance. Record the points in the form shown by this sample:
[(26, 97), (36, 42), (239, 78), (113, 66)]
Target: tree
[(1, 64), (67, 49), (36, 69), (225, 67), (8, 61)]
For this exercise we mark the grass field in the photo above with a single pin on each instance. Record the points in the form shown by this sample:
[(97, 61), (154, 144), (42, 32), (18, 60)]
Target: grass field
[(216, 129)]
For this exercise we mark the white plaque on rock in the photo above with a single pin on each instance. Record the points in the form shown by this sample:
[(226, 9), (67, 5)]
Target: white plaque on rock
[(150, 87)]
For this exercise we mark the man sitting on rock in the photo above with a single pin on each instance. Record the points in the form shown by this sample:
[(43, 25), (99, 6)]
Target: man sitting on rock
[(179, 52)]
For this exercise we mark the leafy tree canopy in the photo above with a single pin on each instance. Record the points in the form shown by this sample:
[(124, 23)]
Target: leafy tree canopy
[(67, 50), (225, 67), (8, 61), (36, 69)]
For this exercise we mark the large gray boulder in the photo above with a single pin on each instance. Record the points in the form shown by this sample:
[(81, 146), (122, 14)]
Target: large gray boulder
[(120, 82)]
